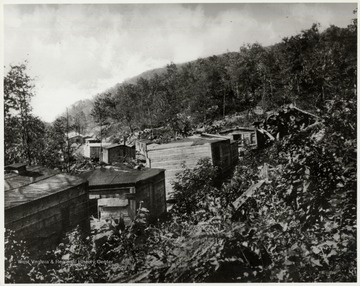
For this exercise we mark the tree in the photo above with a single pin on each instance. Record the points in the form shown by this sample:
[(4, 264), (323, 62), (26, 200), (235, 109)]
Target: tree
[(23, 131), (58, 152), (127, 106)]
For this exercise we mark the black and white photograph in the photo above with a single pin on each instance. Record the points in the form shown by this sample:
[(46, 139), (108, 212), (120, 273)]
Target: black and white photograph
[(179, 142)]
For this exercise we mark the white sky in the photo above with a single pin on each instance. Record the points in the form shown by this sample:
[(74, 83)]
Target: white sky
[(77, 51)]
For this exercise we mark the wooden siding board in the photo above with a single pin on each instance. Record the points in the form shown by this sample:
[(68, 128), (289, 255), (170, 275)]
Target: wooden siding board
[(166, 157), (18, 212), (29, 221), (179, 151), (172, 160)]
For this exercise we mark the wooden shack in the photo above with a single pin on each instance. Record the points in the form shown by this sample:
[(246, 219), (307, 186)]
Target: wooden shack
[(117, 153), (42, 204), (89, 140), (117, 192), (245, 136), (171, 156), (76, 138), (94, 150), (141, 146)]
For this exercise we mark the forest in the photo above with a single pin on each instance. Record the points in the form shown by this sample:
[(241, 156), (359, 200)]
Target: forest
[(299, 224)]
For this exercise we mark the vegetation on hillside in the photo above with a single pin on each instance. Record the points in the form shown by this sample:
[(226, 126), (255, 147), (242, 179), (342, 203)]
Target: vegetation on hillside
[(307, 69), (298, 224)]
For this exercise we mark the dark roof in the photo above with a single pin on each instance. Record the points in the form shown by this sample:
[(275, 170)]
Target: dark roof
[(36, 183), (241, 129), (114, 176), (116, 145), (16, 166)]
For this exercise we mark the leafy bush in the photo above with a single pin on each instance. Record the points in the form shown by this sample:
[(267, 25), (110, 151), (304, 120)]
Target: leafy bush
[(298, 225), (194, 187)]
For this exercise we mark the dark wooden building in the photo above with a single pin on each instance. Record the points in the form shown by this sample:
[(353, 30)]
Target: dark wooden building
[(117, 153), (223, 153), (245, 136), (117, 192), (42, 204), (94, 150), (76, 138)]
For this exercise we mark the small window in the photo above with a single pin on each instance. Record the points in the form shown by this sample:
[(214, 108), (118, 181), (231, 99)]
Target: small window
[(237, 136)]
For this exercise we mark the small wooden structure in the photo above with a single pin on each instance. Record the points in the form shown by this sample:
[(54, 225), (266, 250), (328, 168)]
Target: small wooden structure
[(116, 192), (89, 140), (42, 204), (245, 136), (117, 153), (141, 146), (94, 150), (78, 139), (171, 156)]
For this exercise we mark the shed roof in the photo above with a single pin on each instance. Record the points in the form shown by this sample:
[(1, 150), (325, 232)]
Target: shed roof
[(116, 145), (118, 176), (15, 166), (103, 145), (91, 138), (75, 135), (36, 183), (238, 129), (188, 141)]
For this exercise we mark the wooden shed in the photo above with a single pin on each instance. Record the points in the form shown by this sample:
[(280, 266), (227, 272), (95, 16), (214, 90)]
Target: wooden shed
[(76, 138), (42, 204), (141, 146), (94, 150), (171, 156), (245, 136), (117, 153), (117, 192)]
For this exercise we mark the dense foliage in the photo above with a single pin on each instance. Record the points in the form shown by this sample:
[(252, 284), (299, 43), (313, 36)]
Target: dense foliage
[(306, 69), (288, 214), (298, 224)]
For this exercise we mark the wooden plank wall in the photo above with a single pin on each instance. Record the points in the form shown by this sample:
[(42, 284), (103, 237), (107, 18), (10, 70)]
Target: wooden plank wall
[(152, 193), (171, 160), (43, 222)]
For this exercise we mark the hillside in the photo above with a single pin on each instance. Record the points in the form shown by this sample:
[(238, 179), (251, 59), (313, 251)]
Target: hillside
[(286, 213), (306, 70)]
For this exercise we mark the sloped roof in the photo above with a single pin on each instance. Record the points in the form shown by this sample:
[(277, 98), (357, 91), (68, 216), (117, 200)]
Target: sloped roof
[(238, 129), (116, 145), (188, 141), (111, 177), (36, 183), (103, 145), (75, 135)]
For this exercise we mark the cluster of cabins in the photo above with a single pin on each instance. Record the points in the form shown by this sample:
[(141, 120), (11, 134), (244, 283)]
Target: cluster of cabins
[(42, 204)]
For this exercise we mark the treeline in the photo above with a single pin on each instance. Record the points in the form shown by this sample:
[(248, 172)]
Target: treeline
[(306, 69)]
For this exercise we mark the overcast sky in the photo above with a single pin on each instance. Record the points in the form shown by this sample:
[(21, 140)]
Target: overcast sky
[(77, 51)]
